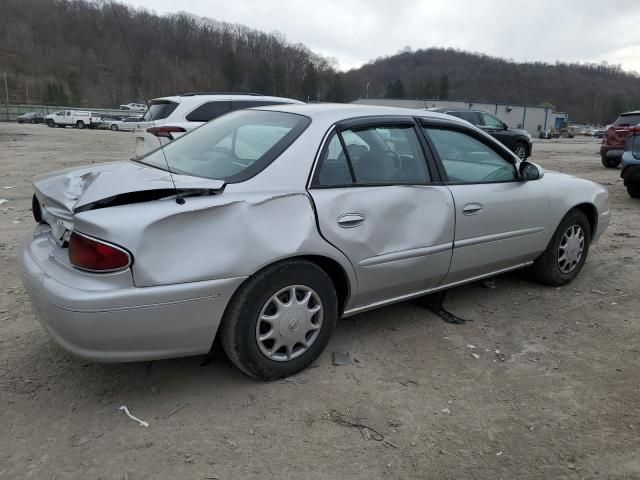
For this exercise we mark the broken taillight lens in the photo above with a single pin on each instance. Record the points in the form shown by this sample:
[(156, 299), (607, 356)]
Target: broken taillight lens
[(165, 132), (96, 256)]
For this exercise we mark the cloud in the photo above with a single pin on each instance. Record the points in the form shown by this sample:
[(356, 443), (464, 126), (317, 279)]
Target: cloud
[(356, 31)]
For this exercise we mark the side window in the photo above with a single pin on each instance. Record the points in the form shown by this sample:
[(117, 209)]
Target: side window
[(472, 117), (468, 160), (209, 111), (240, 104), (381, 155), (335, 167), (490, 121)]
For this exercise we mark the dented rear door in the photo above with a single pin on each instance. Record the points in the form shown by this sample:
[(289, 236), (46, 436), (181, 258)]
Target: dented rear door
[(376, 202)]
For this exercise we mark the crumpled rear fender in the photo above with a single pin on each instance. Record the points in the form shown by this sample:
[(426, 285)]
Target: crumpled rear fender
[(212, 237)]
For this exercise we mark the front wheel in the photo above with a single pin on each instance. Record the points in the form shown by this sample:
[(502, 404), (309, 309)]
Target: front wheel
[(567, 251), (51, 123), (114, 128), (280, 320), (520, 150), (633, 189), (609, 162)]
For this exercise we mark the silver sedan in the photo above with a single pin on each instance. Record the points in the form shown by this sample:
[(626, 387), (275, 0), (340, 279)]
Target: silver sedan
[(265, 226)]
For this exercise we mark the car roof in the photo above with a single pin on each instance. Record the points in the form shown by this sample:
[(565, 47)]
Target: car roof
[(456, 109), (335, 112), (222, 96), (635, 112)]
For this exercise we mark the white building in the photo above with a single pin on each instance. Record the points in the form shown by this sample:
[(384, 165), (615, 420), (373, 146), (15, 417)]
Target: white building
[(527, 117)]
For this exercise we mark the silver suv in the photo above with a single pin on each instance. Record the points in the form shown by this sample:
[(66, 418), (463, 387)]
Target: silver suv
[(168, 118)]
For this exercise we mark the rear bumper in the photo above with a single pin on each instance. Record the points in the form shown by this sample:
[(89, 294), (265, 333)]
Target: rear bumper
[(630, 172), (611, 152), (127, 323)]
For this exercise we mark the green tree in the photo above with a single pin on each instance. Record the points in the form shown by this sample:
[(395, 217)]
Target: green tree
[(262, 79), (444, 87), (336, 89), (310, 83), (395, 89)]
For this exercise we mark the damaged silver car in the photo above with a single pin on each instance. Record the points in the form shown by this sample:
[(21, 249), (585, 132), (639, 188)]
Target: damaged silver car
[(265, 226)]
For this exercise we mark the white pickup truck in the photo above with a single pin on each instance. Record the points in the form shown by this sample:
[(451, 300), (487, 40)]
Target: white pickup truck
[(73, 118)]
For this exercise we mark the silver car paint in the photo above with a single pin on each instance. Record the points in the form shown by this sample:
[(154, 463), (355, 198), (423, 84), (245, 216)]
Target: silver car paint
[(212, 243)]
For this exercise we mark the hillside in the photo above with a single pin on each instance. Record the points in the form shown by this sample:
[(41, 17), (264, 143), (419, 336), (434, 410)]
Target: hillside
[(589, 93), (102, 54)]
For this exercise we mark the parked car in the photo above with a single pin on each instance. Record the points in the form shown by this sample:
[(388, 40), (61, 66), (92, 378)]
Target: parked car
[(631, 163), (134, 107), (170, 117), (518, 141), (614, 139), (71, 118), (599, 132), (31, 117), (128, 124), (278, 220), (546, 134)]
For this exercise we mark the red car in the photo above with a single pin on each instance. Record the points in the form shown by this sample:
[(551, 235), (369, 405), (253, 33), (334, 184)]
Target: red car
[(615, 137)]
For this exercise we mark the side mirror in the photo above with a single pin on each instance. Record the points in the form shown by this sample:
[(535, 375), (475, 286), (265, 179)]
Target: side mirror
[(530, 171), (505, 126)]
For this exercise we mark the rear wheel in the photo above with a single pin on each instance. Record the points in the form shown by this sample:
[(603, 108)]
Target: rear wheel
[(567, 251), (280, 320), (520, 149), (114, 128), (610, 162), (633, 189), (80, 124), (565, 134)]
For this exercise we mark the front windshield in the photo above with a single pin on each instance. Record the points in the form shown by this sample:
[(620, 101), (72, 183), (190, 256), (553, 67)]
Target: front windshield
[(233, 147)]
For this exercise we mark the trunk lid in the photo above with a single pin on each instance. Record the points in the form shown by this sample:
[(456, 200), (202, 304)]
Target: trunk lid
[(63, 193)]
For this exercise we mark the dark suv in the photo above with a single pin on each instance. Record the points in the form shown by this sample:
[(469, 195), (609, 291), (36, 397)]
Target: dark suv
[(615, 137), (518, 141)]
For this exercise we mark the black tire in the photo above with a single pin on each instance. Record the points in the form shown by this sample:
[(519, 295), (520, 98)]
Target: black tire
[(565, 134), (80, 125), (238, 329), (610, 162), (546, 269), (50, 123), (521, 150), (633, 189), (114, 128)]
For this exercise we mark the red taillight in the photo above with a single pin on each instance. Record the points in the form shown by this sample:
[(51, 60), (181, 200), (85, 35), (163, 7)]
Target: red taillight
[(165, 131), (89, 254)]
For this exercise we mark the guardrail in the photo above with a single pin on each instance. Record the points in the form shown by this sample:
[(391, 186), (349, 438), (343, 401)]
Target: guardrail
[(9, 113)]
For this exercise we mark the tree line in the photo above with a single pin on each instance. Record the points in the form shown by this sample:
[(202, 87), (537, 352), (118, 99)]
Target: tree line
[(101, 53)]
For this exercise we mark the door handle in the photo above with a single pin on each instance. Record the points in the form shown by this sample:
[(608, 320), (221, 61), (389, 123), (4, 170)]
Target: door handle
[(350, 220), (471, 208)]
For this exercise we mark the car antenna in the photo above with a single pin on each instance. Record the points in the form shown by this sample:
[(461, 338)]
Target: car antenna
[(179, 199)]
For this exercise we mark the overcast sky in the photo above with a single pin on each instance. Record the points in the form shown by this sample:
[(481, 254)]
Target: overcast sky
[(356, 31)]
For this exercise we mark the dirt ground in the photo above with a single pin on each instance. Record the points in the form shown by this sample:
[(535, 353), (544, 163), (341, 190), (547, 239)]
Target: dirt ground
[(560, 400)]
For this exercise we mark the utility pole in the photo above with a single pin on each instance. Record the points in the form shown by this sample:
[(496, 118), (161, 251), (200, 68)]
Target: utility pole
[(6, 90), (26, 82)]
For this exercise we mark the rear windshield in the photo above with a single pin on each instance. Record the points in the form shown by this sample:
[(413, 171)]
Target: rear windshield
[(233, 148), (633, 119), (159, 111)]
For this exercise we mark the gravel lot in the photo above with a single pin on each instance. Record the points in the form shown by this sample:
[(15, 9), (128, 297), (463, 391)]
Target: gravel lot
[(560, 400)]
